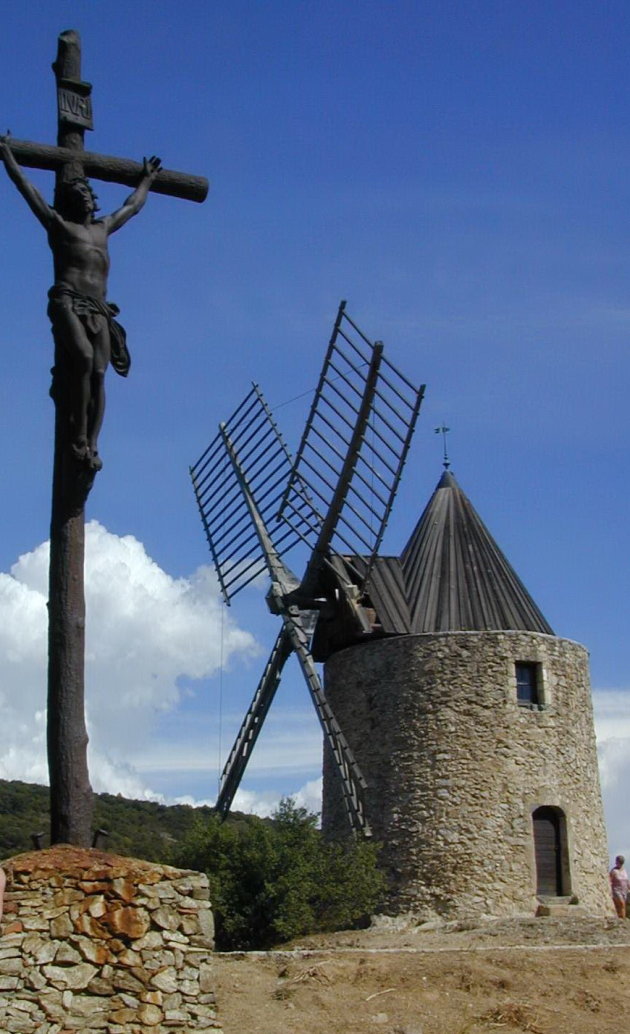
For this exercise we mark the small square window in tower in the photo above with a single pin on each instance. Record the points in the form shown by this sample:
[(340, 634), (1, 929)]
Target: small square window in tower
[(527, 683)]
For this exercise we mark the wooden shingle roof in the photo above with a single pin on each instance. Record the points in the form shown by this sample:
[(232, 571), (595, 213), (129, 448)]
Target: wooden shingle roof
[(451, 576)]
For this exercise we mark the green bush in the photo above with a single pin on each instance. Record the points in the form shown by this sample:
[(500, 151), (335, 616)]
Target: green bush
[(274, 880)]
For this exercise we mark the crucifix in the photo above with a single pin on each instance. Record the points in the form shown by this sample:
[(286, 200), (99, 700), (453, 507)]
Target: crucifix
[(87, 339)]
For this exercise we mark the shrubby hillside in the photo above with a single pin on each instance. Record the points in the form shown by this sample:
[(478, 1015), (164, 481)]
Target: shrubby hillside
[(141, 829), (270, 879)]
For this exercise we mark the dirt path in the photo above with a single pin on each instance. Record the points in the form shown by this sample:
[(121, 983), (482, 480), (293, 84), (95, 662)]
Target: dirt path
[(539, 976)]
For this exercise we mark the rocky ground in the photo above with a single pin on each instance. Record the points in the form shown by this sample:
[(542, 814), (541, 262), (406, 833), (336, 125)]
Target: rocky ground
[(544, 975)]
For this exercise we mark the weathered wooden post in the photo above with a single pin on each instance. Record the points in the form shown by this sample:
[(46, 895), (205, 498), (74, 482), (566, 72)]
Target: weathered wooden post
[(71, 801)]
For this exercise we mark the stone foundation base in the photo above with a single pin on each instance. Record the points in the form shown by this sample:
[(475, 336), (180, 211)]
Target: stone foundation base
[(95, 942)]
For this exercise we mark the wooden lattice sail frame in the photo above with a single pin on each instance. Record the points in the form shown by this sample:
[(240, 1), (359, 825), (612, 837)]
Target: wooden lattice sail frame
[(256, 504)]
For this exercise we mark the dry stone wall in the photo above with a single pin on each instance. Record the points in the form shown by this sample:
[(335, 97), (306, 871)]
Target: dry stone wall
[(456, 767), (95, 942)]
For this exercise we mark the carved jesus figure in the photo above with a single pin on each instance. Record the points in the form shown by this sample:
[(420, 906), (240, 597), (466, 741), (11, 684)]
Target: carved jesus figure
[(87, 337)]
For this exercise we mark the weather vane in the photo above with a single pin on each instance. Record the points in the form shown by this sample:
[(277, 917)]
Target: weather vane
[(443, 430)]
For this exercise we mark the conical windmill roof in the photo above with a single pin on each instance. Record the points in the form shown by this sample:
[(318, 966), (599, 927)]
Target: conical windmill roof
[(456, 577)]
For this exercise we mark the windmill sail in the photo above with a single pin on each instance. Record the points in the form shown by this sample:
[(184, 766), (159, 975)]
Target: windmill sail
[(353, 449), (256, 505), (264, 466), (253, 721), (248, 463)]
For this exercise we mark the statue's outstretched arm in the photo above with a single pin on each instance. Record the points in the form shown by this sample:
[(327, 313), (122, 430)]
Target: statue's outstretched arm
[(135, 201), (31, 194)]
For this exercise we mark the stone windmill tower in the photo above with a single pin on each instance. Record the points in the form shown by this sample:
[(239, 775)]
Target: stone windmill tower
[(458, 728), (472, 724)]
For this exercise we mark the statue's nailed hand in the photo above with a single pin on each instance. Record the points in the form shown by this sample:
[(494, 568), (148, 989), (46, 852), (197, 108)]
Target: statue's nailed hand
[(5, 147), (151, 167)]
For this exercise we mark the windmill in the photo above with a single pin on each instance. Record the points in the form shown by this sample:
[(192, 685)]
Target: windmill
[(257, 503)]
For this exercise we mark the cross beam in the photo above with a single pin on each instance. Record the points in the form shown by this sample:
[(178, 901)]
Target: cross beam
[(106, 167)]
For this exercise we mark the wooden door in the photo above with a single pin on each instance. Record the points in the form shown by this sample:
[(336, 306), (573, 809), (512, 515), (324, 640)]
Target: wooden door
[(548, 850)]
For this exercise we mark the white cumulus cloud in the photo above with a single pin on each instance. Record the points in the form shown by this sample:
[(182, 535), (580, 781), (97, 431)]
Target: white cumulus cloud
[(308, 796), (612, 726), (149, 638)]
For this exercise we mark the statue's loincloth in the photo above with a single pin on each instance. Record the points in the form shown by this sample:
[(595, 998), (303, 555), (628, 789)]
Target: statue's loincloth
[(87, 309)]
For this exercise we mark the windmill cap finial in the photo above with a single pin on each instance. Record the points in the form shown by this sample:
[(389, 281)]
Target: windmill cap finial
[(443, 430)]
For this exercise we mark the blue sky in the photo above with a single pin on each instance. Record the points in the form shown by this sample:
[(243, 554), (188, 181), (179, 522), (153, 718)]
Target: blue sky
[(460, 173)]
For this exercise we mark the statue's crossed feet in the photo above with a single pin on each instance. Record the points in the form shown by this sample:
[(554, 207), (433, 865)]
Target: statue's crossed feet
[(85, 455), (80, 450)]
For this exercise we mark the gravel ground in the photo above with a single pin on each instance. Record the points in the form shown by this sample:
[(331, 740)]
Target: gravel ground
[(544, 976)]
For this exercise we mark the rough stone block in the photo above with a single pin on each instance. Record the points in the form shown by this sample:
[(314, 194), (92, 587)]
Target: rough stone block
[(165, 980), (72, 977), (99, 953)]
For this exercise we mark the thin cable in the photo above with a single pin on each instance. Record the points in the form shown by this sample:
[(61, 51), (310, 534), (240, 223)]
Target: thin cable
[(220, 744), (221, 660), (311, 391)]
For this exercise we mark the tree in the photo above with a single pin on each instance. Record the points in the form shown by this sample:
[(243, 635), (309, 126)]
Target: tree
[(273, 880)]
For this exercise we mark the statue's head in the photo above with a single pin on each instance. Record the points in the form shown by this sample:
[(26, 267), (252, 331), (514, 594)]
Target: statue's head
[(75, 199)]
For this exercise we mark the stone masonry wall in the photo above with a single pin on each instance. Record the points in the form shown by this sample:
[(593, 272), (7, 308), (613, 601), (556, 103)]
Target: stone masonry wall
[(95, 942), (456, 766)]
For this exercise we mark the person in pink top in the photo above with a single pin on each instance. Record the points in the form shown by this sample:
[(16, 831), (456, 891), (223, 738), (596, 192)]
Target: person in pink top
[(619, 886), (3, 881)]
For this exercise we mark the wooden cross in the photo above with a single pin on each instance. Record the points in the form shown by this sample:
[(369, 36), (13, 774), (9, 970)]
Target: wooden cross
[(74, 106), (71, 804)]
